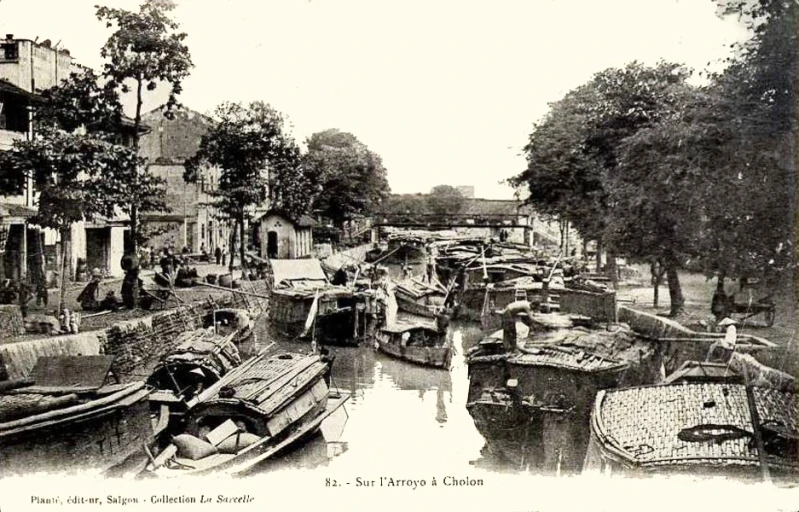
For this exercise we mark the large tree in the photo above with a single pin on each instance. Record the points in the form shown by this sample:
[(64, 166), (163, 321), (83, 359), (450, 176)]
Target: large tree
[(587, 165), (445, 199), (78, 168), (408, 206), (754, 230), (352, 178), (653, 211), (563, 180), (144, 50), (248, 144)]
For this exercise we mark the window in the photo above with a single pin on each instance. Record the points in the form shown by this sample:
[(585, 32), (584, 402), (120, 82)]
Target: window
[(9, 51)]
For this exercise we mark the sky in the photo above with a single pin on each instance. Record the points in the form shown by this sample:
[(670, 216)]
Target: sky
[(445, 91)]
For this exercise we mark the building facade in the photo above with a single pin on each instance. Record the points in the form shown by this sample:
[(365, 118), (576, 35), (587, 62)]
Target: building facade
[(192, 221), (281, 237), (26, 69)]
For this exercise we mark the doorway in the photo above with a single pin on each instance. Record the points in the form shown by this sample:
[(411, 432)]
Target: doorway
[(271, 244)]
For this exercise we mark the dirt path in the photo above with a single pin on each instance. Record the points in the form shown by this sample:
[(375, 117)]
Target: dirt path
[(698, 292)]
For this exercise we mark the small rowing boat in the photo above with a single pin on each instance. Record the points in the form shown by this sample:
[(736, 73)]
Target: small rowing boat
[(417, 340)]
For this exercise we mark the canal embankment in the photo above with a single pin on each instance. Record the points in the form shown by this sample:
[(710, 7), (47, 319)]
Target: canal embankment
[(136, 343)]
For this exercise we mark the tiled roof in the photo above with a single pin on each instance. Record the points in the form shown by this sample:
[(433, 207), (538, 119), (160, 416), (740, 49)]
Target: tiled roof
[(8, 87), (662, 425), (303, 221)]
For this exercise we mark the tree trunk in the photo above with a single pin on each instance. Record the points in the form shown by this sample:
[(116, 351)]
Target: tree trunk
[(232, 249), (613, 270), (598, 256), (242, 245), (134, 207), (657, 271), (656, 282), (675, 291), (66, 243)]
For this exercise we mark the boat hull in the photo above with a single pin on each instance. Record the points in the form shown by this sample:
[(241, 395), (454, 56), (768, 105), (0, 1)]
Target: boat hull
[(538, 439), (436, 357), (553, 436), (510, 432), (252, 459), (95, 440), (408, 305)]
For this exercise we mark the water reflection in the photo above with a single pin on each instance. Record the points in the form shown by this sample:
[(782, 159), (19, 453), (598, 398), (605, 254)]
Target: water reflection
[(398, 414)]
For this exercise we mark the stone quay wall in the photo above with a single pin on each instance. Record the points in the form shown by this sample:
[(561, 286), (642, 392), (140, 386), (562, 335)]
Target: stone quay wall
[(136, 343)]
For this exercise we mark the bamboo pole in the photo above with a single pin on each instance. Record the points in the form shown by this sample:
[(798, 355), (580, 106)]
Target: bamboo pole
[(233, 290), (758, 435)]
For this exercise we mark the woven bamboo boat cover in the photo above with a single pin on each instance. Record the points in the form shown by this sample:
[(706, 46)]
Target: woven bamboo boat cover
[(657, 425)]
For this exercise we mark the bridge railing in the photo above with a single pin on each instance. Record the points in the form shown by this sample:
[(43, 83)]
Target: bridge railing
[(454, 219)]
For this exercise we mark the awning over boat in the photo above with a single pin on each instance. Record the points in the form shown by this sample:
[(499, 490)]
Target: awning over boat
[(292, 272)]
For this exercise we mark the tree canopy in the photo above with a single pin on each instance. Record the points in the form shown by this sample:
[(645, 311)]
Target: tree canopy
[(248, 144), (663, 171), (145, 49), (350, 178), (445, 199)]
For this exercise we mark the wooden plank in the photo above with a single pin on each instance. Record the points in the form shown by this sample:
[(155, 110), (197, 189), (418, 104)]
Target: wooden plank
[(72, 371)]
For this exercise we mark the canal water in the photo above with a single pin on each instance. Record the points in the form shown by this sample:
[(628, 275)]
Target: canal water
[(400, 415)]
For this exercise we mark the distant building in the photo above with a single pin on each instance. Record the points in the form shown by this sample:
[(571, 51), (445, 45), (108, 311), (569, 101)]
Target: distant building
[(282, 237), (466, 191), (192, 222)]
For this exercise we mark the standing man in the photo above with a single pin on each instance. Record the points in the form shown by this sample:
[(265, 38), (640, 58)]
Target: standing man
[(218, 255), (130, 284), (432, 256)]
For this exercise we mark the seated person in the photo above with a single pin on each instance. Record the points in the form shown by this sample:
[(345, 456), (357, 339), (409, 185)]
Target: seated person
[(110, 301), (89, 298), (340, 278)]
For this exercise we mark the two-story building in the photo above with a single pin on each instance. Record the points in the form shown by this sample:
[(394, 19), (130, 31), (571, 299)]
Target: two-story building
[(26, 69)]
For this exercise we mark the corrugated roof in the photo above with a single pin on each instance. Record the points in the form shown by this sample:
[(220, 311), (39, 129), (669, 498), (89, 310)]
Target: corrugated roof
[(306, 221), (662, 425), (285, 271)]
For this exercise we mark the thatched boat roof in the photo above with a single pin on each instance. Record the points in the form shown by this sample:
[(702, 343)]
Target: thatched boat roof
[(698, 424), (265, 383)]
